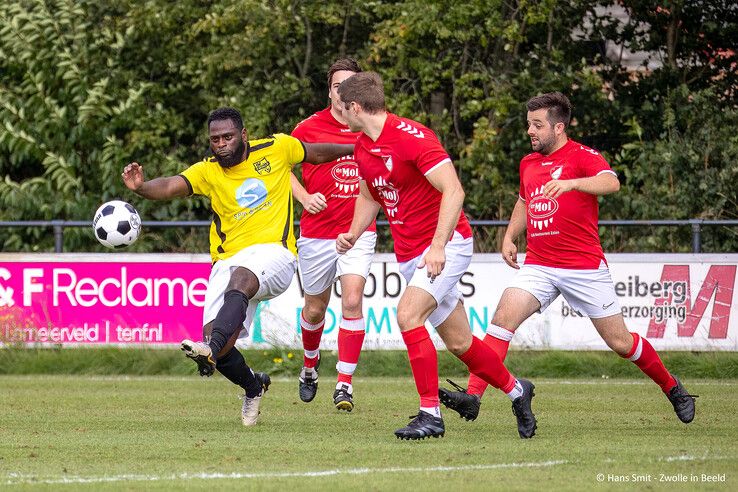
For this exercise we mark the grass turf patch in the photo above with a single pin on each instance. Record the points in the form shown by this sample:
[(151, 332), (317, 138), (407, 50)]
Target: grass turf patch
[(277, 361), (109, 433)]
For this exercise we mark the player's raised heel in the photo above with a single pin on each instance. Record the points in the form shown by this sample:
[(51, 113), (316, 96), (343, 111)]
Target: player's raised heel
[(343, 398), (466, 405), (421, 426), (250, 409), (682, 401), (521, 407), (201, 354), (308, 387)]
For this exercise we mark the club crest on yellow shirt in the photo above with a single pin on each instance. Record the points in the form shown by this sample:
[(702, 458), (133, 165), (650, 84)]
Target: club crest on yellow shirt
[(262, 166)]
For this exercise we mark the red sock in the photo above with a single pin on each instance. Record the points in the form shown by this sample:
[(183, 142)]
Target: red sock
[(311, 334), (498, 338), (424, 363), (485, 363), (645, 357), (350, 339)]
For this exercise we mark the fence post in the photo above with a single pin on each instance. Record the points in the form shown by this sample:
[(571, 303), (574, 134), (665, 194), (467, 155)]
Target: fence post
[(58, 235), (696, 235)]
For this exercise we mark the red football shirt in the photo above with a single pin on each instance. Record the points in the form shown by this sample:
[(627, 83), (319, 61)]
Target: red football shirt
[(338, 181), (394, 168), (562, 232)]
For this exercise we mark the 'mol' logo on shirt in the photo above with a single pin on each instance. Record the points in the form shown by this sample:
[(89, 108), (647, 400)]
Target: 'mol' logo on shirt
[(262, 166)]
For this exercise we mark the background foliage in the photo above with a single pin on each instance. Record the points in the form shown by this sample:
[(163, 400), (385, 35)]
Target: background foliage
[(87, 86)]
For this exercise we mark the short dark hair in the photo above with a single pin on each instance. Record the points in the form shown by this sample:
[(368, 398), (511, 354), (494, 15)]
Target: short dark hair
[(557, 104), (226, 113), (348, 64), (365, 88)]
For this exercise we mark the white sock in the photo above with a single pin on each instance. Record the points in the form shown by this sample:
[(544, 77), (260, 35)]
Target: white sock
[(350, 388), (517, 391), (435, 411)]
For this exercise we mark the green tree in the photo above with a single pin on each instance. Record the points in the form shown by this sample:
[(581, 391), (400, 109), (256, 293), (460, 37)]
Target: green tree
[(689, 171), (69, 117), (87, 86)]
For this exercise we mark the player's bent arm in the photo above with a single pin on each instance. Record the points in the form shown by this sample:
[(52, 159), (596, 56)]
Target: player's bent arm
[(155, 189), (164, 188), (445, 180), (602, 184), (298, 191), (365, 211), (318, 153), (313, 203), (509, 250), (517, 221)]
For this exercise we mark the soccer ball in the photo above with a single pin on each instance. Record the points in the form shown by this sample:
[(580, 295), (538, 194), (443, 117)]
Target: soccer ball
[(116, 224)]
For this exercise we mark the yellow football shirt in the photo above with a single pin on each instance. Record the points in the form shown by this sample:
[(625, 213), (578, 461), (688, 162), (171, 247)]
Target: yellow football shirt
[(251, 201)]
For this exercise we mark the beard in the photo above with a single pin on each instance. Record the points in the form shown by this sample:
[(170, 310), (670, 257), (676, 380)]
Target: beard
[(235, 158), (543, 146)]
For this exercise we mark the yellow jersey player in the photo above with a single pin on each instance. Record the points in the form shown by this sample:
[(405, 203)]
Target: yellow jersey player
[(252, 242)]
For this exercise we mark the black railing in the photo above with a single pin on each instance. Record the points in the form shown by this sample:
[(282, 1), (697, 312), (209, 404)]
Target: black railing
[(58, 226)]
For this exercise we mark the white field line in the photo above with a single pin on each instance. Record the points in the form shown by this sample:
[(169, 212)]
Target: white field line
[(16, 479), (19, 479), (689, 457)]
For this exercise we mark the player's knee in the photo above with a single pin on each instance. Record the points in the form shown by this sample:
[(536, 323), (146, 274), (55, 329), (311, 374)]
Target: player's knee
[(457, 346), (314, 312), (407, 319), (620, 344), (351, 305)]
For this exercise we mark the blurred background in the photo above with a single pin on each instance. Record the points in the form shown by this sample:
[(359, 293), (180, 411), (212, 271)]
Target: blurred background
[(88, 86)]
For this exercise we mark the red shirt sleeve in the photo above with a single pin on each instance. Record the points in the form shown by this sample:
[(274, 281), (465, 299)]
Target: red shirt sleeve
[(299, 131), (427, 152), (591, 162)]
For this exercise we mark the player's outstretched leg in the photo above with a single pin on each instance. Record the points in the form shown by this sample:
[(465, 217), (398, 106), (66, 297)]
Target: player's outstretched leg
[(643, 355), (343, 397), (227, 322), (466, 401), (424, 364), (682, 401), (421, 426), (485, 363), (233, 366), (639, 351), (308, 381), (461, 402), (351, 334), (251, 403), (202, 355), (521, 407)]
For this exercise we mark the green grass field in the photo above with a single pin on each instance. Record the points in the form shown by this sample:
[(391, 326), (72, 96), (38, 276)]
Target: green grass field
[(171, 432)]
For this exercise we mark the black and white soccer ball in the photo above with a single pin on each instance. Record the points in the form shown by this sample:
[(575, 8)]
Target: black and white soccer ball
[(116, 224)]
